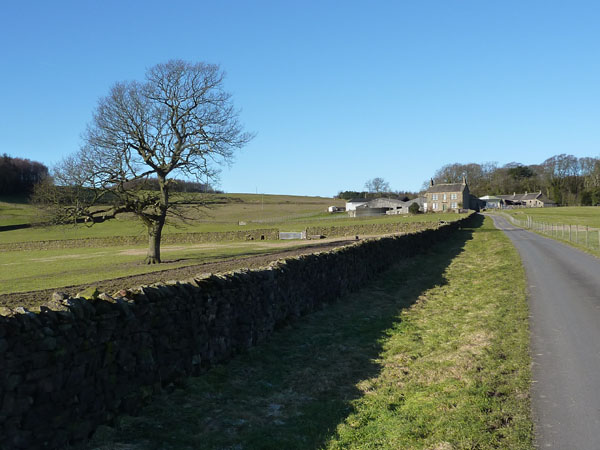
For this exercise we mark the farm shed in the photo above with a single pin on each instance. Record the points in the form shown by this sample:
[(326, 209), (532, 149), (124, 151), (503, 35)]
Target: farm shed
[(351, 205), (527, 200)]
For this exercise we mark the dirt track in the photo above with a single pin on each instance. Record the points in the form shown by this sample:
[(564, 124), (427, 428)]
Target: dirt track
[(35, 298)]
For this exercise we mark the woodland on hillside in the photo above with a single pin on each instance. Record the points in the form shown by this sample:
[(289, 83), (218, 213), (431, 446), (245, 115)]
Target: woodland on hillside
[(19, 175), (565, 179)]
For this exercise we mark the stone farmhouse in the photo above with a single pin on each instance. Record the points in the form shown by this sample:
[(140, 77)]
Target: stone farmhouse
[(446, 197)]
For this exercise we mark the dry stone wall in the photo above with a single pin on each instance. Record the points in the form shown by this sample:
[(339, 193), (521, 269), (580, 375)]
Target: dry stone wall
[(369, 229), (172, 238), (79, 362)]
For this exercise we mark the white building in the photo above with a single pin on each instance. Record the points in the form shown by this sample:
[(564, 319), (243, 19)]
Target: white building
[(352, 204)]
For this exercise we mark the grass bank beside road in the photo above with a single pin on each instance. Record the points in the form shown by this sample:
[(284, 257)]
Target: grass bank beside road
[(432, 355)]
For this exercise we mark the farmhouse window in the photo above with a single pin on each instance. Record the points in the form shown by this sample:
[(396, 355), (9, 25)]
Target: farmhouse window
[(444, 197), (452, 196), (453, 205), (434, 197), (435, 206)]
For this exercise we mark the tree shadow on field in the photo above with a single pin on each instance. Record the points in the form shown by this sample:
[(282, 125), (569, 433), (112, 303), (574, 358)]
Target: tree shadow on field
[(292, 391)]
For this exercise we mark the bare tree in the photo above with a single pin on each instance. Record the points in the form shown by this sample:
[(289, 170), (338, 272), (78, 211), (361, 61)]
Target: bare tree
[(177, 122), (377, 185)]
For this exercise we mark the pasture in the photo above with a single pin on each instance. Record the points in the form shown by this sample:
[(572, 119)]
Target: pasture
[(221, 212), (570, 215), (45, 267), (578, 226)]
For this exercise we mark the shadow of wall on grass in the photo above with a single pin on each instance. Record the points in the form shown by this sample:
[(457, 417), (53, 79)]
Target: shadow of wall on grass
[(292, 391)]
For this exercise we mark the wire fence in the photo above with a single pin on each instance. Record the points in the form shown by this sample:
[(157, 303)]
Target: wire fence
[(582, 235)]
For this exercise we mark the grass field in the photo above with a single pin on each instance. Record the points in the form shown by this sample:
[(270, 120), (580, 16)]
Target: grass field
[(578, 226), (16, 213), (223, 213), (574, 215), (433, 355), (27, 270)]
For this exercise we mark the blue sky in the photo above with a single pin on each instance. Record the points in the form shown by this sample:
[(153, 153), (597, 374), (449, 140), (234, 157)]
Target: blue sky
[(337, 92)]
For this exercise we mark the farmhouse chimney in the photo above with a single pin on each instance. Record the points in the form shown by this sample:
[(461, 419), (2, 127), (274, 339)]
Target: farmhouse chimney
[(431, 182)]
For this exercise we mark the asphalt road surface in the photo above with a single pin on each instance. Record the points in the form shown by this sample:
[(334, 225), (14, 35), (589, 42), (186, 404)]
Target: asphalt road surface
[(564, 301)]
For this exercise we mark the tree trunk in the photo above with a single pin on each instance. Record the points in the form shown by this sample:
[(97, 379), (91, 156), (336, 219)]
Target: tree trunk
[(154, 234)]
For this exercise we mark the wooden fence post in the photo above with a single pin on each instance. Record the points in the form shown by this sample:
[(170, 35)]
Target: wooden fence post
[(587, 236)]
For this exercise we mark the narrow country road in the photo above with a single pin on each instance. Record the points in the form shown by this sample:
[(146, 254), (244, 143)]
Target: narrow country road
[(564, 291)]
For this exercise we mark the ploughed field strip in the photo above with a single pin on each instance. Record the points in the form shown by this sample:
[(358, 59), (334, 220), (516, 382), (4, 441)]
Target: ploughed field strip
[(432, 355), (32, 271), (33, 299)]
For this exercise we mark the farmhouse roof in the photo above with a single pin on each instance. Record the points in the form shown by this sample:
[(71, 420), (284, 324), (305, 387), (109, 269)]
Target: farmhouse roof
[(383, 201), (527, 196), (450, 187), (418, 200)]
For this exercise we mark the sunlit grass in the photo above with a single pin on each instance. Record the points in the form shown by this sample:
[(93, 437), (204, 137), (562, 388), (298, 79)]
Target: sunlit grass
[(433, 355), (574, 215), (28, 270), (219, 218)]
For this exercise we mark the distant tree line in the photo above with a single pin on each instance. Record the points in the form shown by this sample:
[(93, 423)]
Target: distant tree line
[(565, 179), (19, 175), (404, 196), (376, 188)]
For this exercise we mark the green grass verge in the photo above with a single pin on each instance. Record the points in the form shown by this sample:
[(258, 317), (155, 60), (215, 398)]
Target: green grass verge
[(433, 355)]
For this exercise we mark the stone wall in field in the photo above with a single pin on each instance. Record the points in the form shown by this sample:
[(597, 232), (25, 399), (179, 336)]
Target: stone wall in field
[(369, 229), (79, 362), (167, 239)]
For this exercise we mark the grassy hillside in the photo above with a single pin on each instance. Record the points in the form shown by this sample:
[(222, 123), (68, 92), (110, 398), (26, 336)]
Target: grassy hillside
[(43, 266), (12, 213), (223, 212)]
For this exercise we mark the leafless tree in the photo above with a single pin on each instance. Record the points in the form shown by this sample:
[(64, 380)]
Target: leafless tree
[(177, 122), (377, 185)]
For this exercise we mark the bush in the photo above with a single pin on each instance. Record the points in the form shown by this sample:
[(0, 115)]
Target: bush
[(414, 208)]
